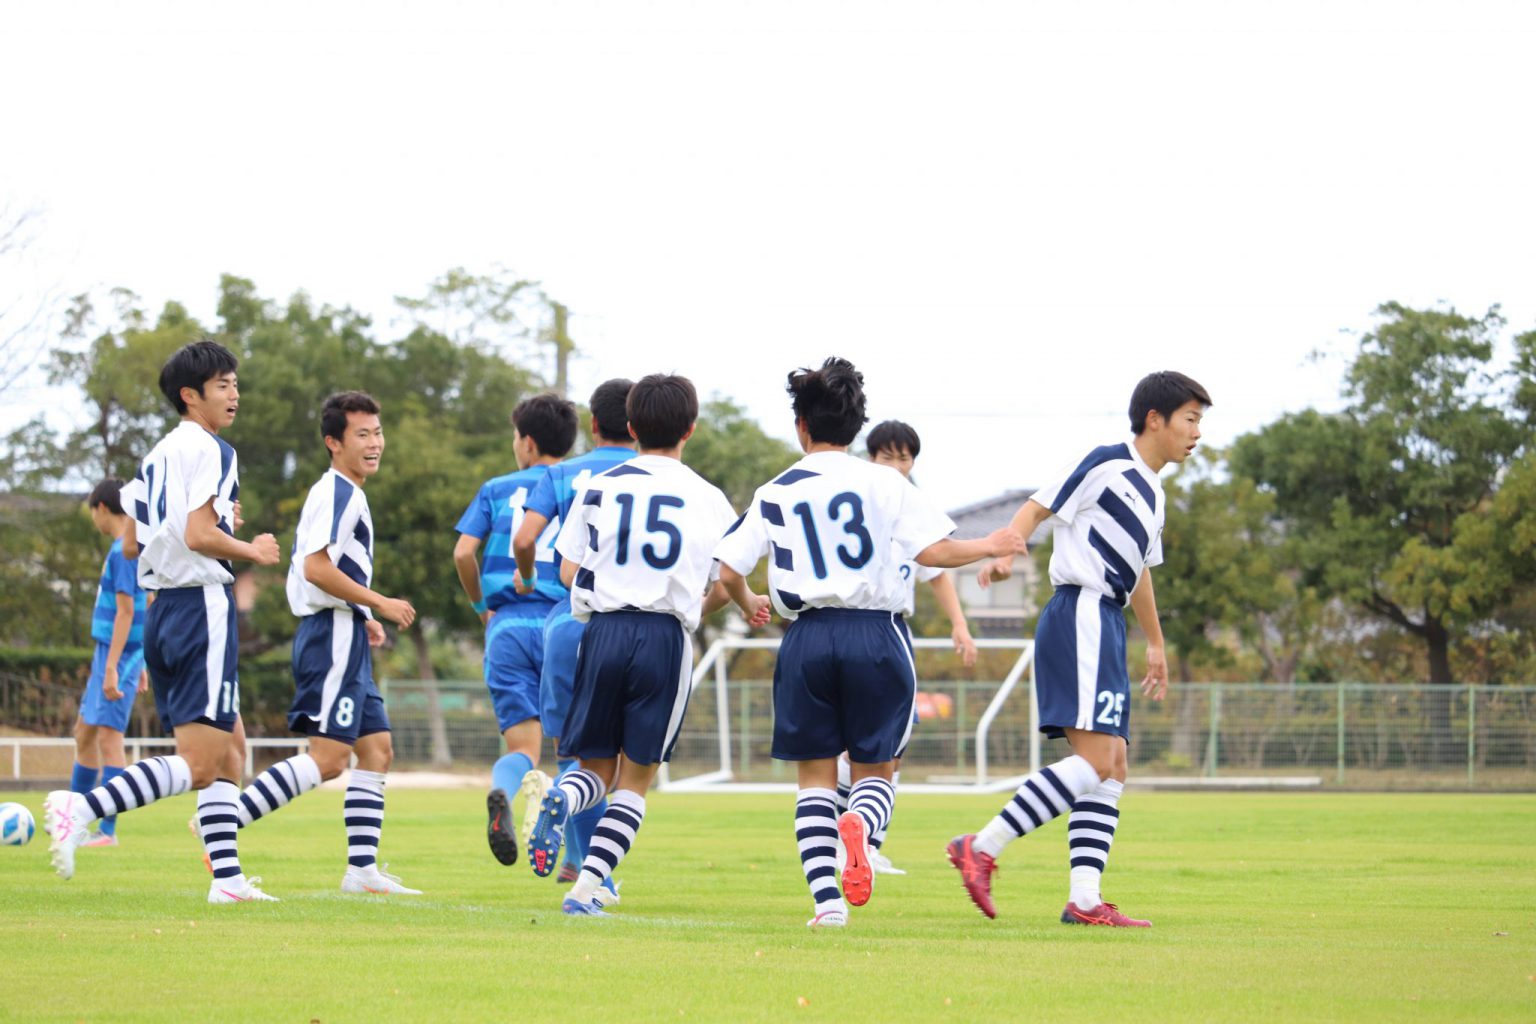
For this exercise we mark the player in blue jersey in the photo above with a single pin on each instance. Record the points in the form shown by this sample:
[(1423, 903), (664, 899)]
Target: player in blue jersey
[(836, 531), (117, 627), (335, 702), (548, 507), (182, 503), (635, 550), (544, 430), (1109, 509)]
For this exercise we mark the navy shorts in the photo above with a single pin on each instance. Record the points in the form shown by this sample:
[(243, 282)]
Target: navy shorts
[(1080, 675), (334, 695), (95, 709), (557, 676), (633, 676), (844, 680), (514, 656), (191, 646)]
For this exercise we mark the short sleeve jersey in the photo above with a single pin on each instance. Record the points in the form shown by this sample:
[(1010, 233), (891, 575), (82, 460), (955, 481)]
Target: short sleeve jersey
[(119, 575), (644, 533), (1110, 507), (335, 520), (553, 496), (836, 531), (179, 475), (494, 516)]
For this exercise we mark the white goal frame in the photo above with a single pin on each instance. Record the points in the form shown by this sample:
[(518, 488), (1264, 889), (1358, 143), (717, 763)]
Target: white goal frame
[(723, 779)]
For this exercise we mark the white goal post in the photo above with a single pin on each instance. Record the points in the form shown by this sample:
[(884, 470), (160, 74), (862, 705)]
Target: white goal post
[(713, 666)]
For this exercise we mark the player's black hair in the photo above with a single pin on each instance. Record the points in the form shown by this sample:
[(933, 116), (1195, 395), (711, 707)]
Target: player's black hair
[(333, 414), (609, 413), (662, 406), (192, 366), (109, 493), (1164, 391), (550, 420), (830, 401), (893, 435)]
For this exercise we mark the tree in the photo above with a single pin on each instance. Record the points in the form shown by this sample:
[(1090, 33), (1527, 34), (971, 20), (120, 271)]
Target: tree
[(23, 319), (732, 452)]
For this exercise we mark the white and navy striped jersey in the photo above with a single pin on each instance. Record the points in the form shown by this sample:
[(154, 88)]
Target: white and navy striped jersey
[(186, 468), (335, 520), (838, 530), (644, 533), (1111, 510)]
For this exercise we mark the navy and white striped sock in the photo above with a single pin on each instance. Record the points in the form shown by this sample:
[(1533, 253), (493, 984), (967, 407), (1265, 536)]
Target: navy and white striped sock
[(873, 800), (141, 783), (877, 839), (363, 811), (614, 836), (276, 786), (582, 789), (218, 822), (1048, 793), (844, 782), (816, 833), (1090, 831)]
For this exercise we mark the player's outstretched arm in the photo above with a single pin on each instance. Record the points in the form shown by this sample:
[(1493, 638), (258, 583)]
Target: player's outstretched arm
[(756, 607), (1025, 522), (322, 572), (959, 630), (951, 554), (204, 536), (525, 545), (1144, 604)]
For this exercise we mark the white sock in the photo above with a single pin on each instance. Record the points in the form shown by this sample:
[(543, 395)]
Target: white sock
[(1090, 831)]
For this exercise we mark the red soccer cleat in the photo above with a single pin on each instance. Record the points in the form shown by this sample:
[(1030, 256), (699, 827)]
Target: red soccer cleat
[(1104, 913), (976, 870), (858, 874)]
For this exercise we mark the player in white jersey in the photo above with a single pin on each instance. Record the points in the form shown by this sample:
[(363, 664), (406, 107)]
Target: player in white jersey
[(335, 701), (182, 503), (637, 556), (895, 444), (1109, 509), (836, 530)]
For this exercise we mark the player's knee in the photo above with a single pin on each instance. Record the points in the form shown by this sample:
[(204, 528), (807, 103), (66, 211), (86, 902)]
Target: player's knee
[(378, 756), (1103, 763), (204, 773), (330, 762)]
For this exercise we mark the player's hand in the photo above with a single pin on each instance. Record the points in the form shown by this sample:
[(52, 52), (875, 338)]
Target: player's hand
[(239, 519), (266, 550), (1005, 543), (762, 610), (375, 633), (109, 687), (964, 645), (485, 617), (521, 587), (994, 572), (1155, 685), (397, 610)]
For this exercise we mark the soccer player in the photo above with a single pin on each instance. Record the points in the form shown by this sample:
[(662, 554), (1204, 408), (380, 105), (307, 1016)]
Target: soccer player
[(838, 529), (895, 444), (548, 507), (182, 504), (636, 553), (544, 428), (335, 701), (117, 626), (1109, 510)]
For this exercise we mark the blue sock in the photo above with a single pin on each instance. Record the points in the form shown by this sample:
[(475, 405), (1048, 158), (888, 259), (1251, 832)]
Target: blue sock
[(109, 824), (508, 772), (83, 779)]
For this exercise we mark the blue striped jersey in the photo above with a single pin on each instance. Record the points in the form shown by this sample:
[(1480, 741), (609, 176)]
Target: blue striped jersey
[(837, 530), (119, 575), (180, 474), (1110, 507), (335, 520), (494, 516), (553, 496), (645, 533)]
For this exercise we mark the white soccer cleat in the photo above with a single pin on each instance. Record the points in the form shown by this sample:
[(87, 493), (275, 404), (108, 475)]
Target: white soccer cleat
[(882, 864), (829, 919), (605, 897), (372, 880), (238, 890), (534, 786), (61, 820)]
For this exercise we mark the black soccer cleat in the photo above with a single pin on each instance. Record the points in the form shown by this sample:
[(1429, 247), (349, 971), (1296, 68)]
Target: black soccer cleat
[(498, 827)]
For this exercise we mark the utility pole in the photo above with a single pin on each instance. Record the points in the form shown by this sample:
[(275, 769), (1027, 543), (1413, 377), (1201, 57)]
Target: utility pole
[(563, 347)]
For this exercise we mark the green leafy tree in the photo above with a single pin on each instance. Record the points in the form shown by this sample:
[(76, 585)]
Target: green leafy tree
[(732, 452)]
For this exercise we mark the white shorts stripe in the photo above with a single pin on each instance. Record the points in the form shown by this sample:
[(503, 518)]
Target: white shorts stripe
[(216, 612), (1089, 626), (342, 625), (905, 641), (680, 702)]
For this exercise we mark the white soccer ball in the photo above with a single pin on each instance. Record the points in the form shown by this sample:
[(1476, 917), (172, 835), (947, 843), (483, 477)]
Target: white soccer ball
[(16, 825)]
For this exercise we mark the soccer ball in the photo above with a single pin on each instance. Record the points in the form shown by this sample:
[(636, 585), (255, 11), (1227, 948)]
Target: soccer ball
[(15, 825)]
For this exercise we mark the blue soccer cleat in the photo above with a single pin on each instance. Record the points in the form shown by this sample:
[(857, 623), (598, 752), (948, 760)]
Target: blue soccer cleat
[(548, 833), (576, 908)]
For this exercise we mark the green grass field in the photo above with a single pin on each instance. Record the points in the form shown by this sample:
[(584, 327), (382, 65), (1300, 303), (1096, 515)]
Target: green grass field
[(1267, 906)]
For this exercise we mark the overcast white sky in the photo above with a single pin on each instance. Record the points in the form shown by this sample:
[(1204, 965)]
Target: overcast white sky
[(1004, 213)]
